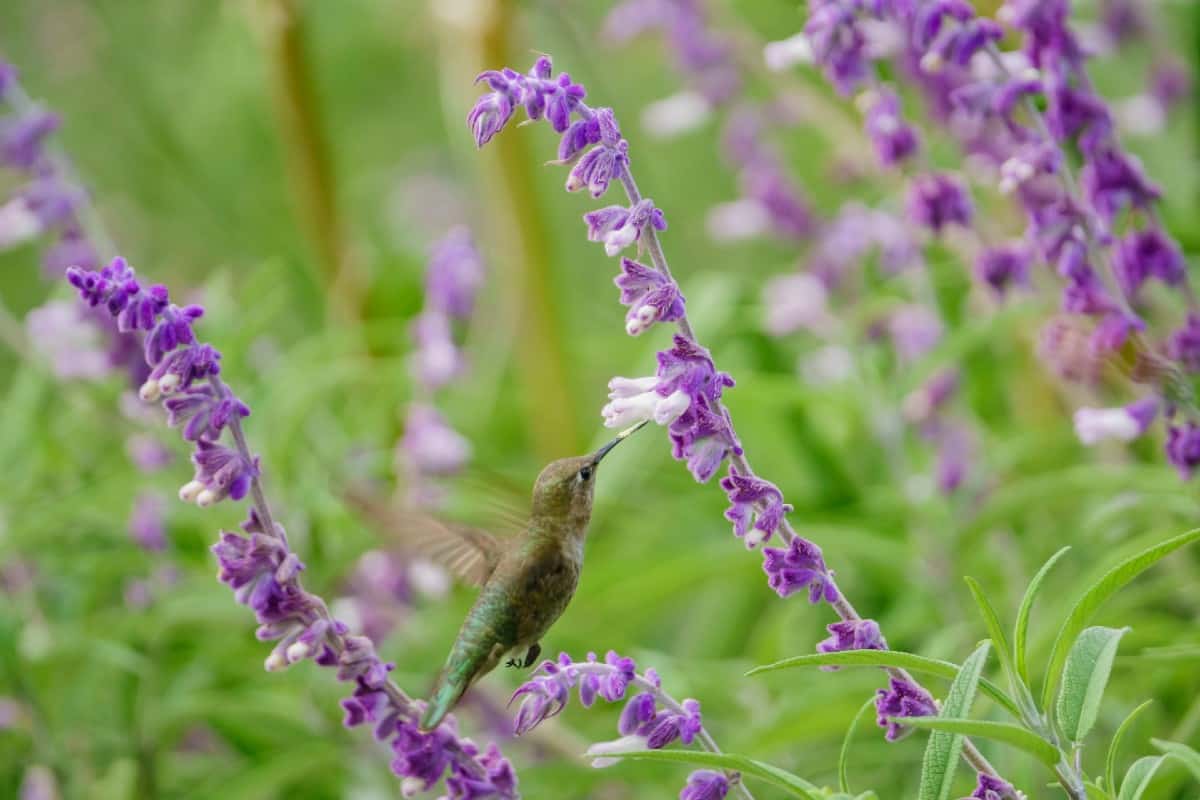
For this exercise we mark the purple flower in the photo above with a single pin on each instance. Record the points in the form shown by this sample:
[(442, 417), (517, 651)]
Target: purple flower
[(704, 439), (598, 167), (914, 330), (1184, 344), (1004, 266), (640, 709), (618, 227), (753, 499), (650, 296), (953, 457), (454, 274), (436, 360), (147, 453), (65, 337), (704, 784), (220, 473), (902, 699), (894, 139), (798, 567), (22, 138), (687, 367), (1113, 180), (1183, 448), (431, 445), (1148, 254), (489, 115), (990, 787), (146, 524), (838, 43), (39, 783), (203, 413), (852, 634), (926, 401), (937, 200), (789, 215)]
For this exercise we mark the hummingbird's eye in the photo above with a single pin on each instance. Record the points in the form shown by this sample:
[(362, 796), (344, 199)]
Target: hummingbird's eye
[(585, 474)]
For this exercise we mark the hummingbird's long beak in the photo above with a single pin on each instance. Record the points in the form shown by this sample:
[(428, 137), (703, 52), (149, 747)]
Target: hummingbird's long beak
[(622, 436)]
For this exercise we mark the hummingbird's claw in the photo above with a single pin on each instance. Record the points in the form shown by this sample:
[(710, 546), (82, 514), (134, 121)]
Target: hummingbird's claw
[(512, 662)]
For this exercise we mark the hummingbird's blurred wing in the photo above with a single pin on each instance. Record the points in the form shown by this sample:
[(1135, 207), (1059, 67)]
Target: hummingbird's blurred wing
[(469, 553)]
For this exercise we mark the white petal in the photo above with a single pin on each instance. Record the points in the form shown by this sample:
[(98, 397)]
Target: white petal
[(1094, 425), (679, 113), (787, 53), (669, 408), (628, 387)]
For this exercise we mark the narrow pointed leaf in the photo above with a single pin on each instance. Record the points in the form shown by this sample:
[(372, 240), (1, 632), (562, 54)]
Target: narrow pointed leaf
[(844, 754), (943, 748), (1181, 753), (889, 658), (1096, 792), (1140, 773), (1005, 732), (1084, 678), (1114, 747), (996, 632), (794, 785), (1021, 628), (1095, 596)]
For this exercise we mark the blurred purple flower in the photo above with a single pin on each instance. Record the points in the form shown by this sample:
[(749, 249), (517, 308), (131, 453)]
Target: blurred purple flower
[(937, 200), (430, 445), (704, 784), (894, 139), (1183, 448), (454, 274), (147, 525)]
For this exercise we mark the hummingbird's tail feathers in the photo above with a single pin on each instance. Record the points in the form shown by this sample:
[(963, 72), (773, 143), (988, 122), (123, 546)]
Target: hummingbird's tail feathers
[(445, 696)]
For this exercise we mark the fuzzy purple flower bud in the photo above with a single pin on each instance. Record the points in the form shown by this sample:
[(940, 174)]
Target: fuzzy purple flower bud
[(798, 567), (852, 634), (637, 712), (650, 296), (902, 699), (937, 200), (489, 115), (598, 166), (838, 43), (618, 227), (705, 784), (990, 787), (753, 499), (220, 473)]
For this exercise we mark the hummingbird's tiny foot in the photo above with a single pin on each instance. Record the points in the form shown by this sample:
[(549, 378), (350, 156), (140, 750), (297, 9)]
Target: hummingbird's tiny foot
[(512, 662), (532, 655)]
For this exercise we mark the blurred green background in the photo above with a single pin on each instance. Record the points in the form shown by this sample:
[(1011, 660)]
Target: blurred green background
[(194, 125)]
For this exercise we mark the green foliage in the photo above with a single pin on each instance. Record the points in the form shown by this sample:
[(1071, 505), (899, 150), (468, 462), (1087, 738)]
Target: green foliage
[(1084, 679), (1005, 732), (944, 747)]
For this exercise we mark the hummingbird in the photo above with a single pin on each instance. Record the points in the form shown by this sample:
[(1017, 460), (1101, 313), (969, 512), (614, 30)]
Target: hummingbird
[(526, 580)]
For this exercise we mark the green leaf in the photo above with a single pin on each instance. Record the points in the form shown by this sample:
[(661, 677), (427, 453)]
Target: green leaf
[(1181, 753), (844, 754), (996, 632), (793, 784), (889, 658), (1095, 791), (1005, 732), (1021, 629), (1110, 762), (1095, 596), (1085, 677), (1138, 777), (944, 748)]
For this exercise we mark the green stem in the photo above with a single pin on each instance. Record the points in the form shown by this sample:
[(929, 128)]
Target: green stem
[(310, 166)]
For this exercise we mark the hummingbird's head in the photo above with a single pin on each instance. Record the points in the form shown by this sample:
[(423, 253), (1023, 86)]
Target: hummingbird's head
[(565, 487)]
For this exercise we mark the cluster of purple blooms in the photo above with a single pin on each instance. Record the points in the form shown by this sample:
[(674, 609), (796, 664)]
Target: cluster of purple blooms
[(430, 447), (706, 57), (47, 202), (257, 564), (650, 720), (685, 392), (1095, 222)]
